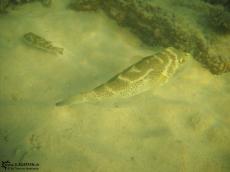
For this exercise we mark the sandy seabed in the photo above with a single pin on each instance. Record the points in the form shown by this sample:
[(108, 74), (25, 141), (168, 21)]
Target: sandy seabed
[(182, 126)]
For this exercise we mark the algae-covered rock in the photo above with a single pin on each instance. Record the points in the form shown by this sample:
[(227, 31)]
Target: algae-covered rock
[(220, 19), (155, 25), (85, 5), (218, 64), (43, 2), (216, 17), (219, 55), (225, 3), (3, 5), (46, 3)]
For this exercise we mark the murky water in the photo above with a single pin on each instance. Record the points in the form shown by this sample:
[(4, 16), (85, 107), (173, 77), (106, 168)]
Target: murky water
[(181, 126)]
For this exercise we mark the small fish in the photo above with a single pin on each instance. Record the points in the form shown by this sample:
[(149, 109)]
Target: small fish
[(34, 40), (148, 73)]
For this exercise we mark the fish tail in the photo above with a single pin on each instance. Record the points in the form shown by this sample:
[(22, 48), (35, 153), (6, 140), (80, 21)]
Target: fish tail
[(78, 99)]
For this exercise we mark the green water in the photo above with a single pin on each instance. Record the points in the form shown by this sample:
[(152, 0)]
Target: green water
[(182, 126)]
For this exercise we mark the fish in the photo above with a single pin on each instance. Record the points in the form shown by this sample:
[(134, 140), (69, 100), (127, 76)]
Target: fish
[(148, 73), (36, 41)]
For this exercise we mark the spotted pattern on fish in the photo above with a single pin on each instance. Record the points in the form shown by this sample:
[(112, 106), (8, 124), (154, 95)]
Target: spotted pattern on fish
[(148, 73), (34, 40)]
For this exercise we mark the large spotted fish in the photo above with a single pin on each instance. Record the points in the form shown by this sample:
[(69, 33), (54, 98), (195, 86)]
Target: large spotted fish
[(36, 41), (150, 72)]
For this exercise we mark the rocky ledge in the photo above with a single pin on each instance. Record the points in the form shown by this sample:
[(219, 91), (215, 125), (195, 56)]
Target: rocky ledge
[(5, 4), (155, 25)]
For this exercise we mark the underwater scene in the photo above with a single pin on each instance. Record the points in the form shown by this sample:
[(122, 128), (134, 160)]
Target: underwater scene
[(115, 85)]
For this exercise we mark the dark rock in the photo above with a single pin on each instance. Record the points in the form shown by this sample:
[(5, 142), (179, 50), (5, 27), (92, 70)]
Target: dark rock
[(85, 5), (3, 6), (224, 3), (155, 25), (220, 19)]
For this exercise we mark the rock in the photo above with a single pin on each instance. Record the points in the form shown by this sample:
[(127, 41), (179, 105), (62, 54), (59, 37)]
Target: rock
[(157, 26), (220, 19), (84, 5), (3, 5), (224, 3), (46, 3)]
